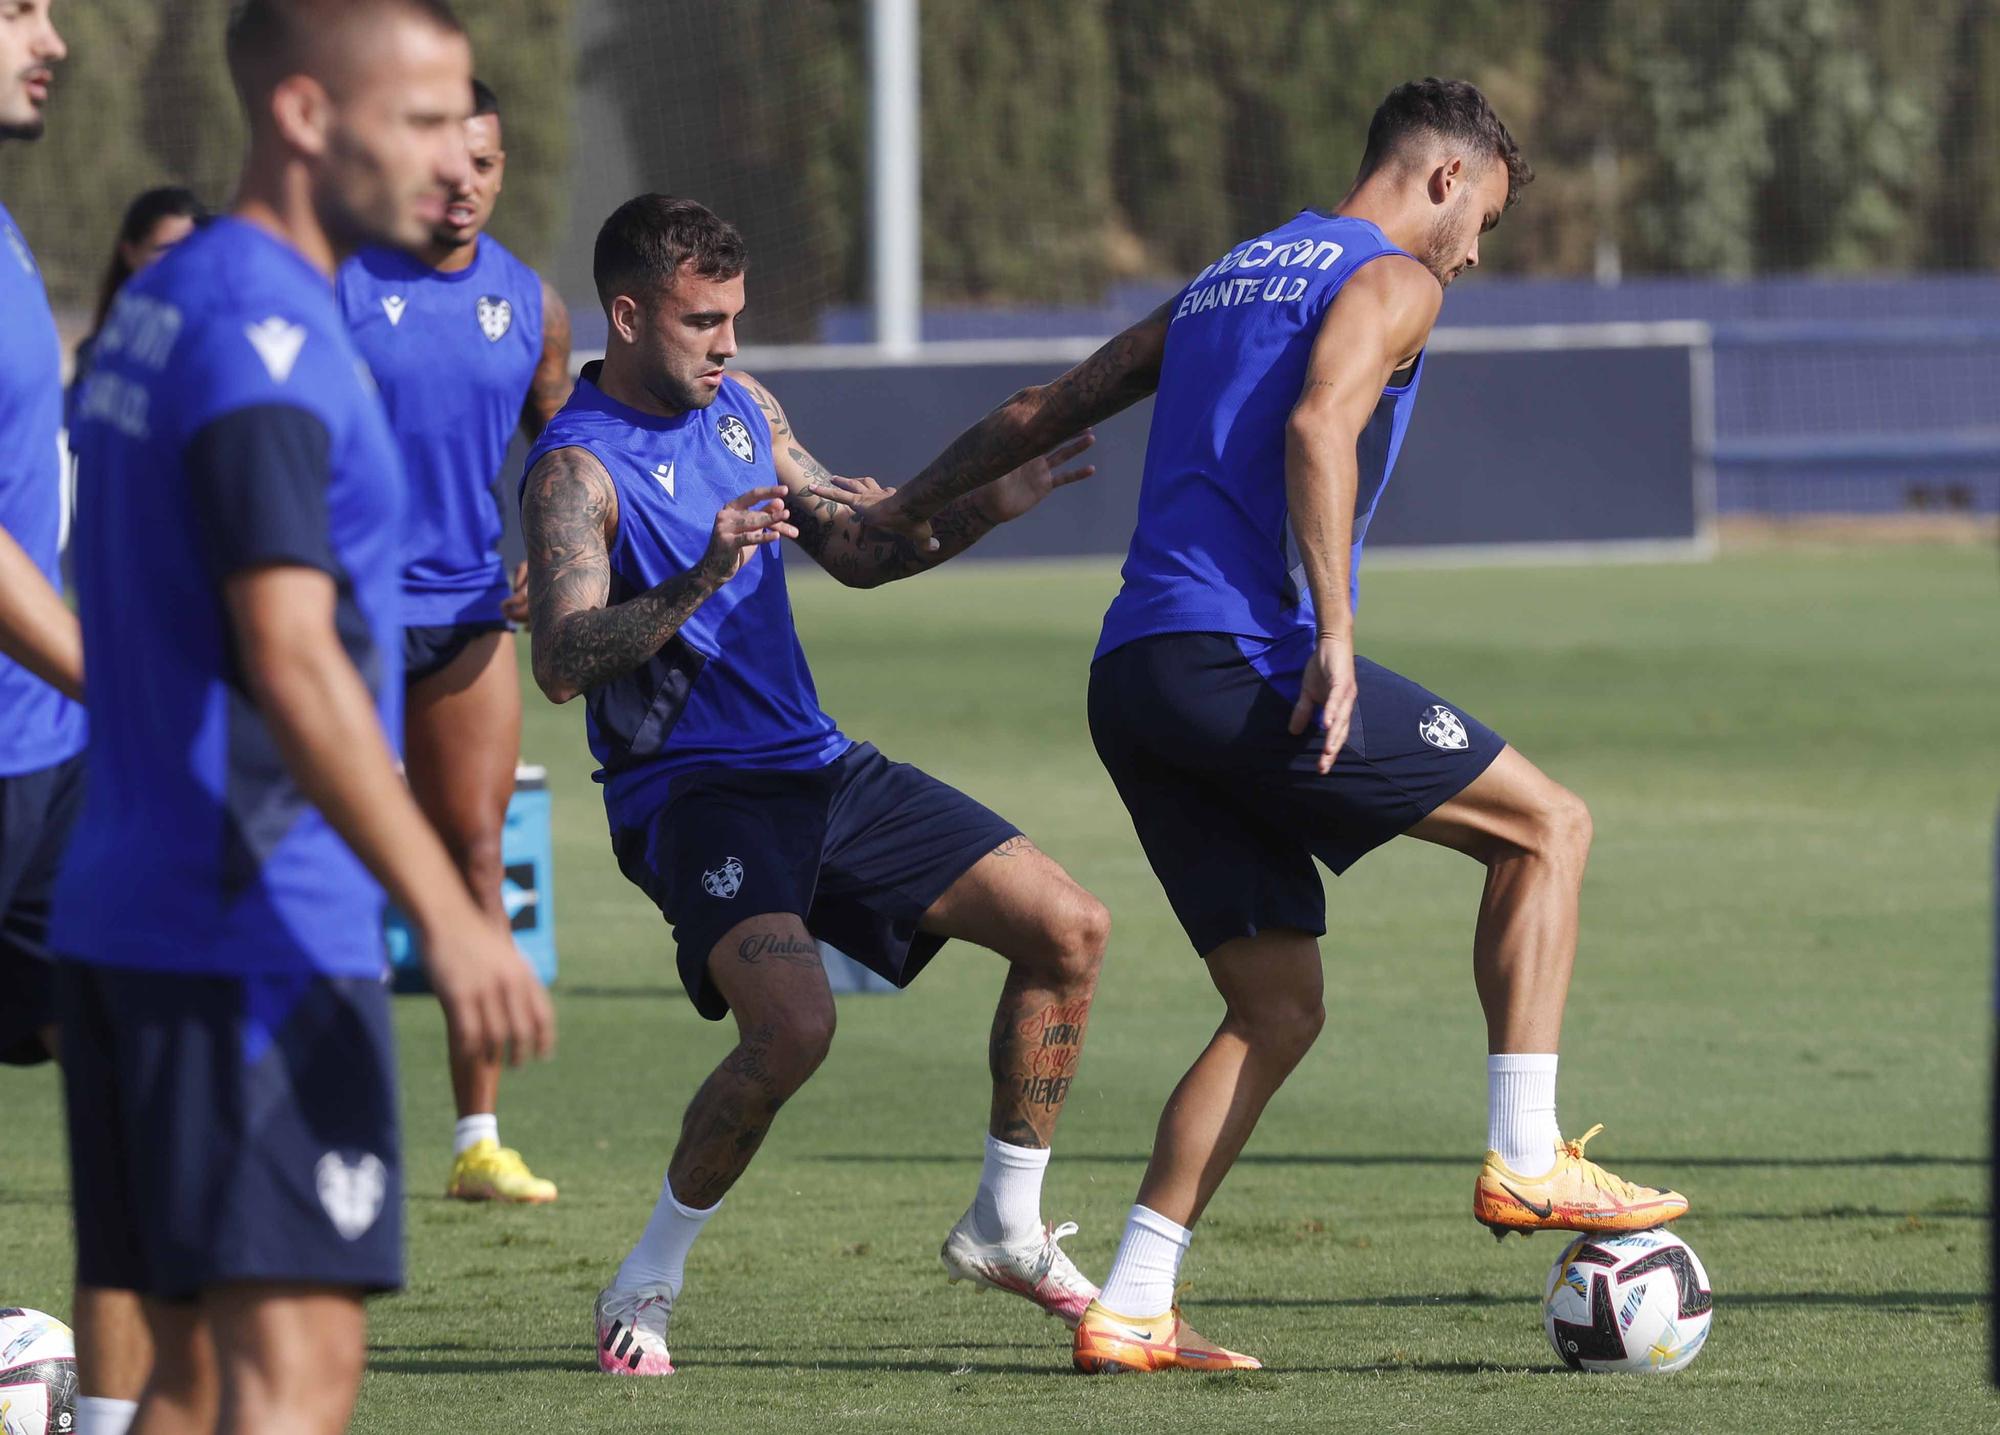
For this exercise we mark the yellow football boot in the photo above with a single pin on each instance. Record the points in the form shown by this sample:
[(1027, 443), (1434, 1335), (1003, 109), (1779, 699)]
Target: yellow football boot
[(1576, 1194), (488, 1171), (1111, 1344)]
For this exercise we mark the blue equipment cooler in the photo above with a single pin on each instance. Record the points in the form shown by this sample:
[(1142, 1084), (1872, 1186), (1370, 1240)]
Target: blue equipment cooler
[(528, 889)]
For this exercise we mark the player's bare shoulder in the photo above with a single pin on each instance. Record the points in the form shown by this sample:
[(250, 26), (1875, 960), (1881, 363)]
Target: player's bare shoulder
[(567, 494), (1394, 295)]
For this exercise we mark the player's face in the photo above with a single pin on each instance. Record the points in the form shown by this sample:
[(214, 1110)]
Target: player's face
[(164, 235), (687, 337), (1467, 213), (470, 207), (394, 151), (30, 49)]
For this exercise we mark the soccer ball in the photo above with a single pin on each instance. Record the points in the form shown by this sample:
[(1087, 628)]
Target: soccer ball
[(37, 1374), (1637, 1303)]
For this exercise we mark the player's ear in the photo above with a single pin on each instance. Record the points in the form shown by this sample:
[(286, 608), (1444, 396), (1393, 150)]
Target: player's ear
[(1446, 178), (625, 318), (303, 113)]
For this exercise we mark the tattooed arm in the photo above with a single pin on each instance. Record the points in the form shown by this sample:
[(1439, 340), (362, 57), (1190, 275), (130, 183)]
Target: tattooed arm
[(827, 509), (580, 639), (1033, 421)]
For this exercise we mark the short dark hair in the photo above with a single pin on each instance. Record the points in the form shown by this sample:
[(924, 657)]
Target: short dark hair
[(484, 101), (1448, 109), (269, 39), (647, 240)]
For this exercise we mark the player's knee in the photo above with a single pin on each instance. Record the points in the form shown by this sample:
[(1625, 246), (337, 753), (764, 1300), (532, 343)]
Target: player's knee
[(1283, 1029), (1082, 935), (794, 1044), (478, 854), (1564, 827)]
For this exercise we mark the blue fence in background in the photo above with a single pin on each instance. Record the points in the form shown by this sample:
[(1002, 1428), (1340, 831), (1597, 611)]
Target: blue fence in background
[(1831, 395)]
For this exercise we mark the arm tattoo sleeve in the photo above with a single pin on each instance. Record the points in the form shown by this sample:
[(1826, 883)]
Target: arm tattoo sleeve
[(839, 542), (579, 640)]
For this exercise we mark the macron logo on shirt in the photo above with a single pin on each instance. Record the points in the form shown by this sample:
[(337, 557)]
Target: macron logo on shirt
[(277, 343), (665, 474), (393, 305)]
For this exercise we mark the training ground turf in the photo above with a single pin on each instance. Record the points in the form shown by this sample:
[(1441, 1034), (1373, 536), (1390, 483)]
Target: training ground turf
[(1781, 1007)]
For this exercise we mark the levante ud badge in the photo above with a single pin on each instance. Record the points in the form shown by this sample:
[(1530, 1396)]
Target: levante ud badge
[(496, 317)]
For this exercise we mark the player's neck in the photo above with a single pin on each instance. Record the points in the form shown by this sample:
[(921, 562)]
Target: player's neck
[(277, 198), (616, 383), (450, 258), (1387, 209)]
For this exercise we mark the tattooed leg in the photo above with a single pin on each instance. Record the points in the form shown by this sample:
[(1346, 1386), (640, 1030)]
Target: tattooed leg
[(1021, 904), (768, 969)]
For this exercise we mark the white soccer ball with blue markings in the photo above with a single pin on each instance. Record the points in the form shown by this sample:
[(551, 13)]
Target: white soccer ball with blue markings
[(1636, 1303), (37, 1374)]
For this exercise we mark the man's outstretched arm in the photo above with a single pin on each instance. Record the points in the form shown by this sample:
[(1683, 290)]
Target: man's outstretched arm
[(1035, 420), (580, 639), (828, 509)]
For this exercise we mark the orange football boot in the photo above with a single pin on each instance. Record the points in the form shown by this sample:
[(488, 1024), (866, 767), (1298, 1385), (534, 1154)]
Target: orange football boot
[(1111, 1344), (1575, 1195)]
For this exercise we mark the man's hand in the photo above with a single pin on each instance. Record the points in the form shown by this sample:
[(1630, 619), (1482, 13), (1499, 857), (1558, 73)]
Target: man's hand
[(514, 607), (1326, 695), (1013, 494), (741, 528), (494, 1007), (1002, 501)]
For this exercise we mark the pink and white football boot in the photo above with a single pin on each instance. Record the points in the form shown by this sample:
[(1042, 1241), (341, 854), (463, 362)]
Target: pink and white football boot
[(1037, 1269), (632, 1331)]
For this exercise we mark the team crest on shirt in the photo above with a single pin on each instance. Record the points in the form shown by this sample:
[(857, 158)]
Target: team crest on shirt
[(1440, 727), (352, 1192), (736, 437), (496, 317), (724, 881)]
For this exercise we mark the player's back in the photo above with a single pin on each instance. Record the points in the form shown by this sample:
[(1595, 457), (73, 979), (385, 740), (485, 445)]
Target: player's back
[(731, 688), (41, 726), (453, 355), (227, 422), (1212, 548)]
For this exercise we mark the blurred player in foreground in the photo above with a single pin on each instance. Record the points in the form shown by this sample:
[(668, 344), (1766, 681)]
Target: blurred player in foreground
[(653, 510), (229, 1073), (41, 684), (1242, 732), (467, 344)]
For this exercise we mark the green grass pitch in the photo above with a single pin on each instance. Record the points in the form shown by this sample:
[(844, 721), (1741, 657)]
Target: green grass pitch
[(1782, 1006)]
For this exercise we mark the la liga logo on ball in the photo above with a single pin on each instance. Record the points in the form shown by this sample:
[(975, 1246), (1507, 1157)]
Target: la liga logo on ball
[(1637, 1303)]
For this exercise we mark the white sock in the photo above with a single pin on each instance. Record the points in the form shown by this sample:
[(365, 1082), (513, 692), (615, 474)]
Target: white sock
[(471, 1130), (1521, 1111), (1007, 1208), (1147, 1266), (98, 1415), (660, 1258)]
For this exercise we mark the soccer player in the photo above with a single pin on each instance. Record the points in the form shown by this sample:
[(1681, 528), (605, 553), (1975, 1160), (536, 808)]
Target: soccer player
[(1241, 730), (653, 508), (466, 344), (41, 686), (228, 1053)]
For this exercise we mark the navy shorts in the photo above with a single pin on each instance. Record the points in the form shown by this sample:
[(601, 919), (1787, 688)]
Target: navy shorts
[(859, 849), (229, 1128), (1231, 808), (37, 812), (429, 651)]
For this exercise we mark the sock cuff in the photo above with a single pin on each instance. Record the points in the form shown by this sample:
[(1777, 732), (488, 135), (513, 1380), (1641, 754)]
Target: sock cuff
[(1534, 1063), (1025, 1158), (691, 1213), (1147, 1219)]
